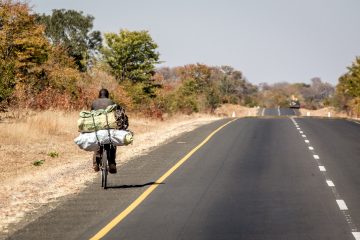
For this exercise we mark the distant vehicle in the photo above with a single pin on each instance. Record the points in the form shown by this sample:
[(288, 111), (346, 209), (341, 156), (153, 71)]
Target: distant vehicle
[(294, 104)]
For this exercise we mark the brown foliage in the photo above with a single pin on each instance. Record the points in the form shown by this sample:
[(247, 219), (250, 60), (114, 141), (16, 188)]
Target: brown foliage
[(22, 40)]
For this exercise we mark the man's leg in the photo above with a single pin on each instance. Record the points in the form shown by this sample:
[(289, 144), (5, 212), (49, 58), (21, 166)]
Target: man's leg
[(96, 160), (111, 158)]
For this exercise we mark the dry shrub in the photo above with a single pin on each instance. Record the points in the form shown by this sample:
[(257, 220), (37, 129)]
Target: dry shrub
[(98, 79), (72, 97), (355, 107), (229, 109)]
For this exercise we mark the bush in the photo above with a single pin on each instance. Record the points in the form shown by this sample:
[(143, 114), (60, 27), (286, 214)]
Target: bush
[(53, 154)]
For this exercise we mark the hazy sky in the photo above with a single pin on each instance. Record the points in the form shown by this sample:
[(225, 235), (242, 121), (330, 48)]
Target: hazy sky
[(268, 40)]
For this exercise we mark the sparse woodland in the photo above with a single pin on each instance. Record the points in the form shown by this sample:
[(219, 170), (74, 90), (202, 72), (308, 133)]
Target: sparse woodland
[(58, 61)]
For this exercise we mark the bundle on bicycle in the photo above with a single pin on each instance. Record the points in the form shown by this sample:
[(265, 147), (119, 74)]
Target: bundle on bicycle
[(101, 130)]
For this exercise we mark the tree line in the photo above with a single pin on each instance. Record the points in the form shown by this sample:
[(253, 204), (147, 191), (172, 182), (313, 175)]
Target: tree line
[(59, 61)]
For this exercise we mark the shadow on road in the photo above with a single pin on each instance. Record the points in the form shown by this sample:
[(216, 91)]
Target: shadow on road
[(136, 186)]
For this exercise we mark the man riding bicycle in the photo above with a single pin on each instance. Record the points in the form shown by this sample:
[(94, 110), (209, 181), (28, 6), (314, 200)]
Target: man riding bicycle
[(101, 103)]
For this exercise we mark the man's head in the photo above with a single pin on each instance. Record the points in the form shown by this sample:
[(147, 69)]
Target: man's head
[(103, 93)]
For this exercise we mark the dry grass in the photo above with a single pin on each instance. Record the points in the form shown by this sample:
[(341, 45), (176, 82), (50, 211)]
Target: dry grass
[(38, 127), (228, 110)]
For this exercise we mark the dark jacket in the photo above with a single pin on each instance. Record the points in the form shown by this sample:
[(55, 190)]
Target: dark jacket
[(101, 103)]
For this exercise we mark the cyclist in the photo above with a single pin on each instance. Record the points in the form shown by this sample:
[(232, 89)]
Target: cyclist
[(101, 103)]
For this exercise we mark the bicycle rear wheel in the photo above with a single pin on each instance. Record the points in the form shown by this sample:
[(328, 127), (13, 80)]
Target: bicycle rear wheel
[(104, 169)]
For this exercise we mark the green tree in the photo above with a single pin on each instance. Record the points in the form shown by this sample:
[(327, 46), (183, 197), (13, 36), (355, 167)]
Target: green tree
[(131, 55), (348, 89), (72, 30), (7, 82), (349, 83), (213, 98)]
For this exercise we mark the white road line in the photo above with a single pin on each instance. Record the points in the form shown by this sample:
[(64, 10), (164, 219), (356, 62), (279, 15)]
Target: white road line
[(330, 183), (322, 169), (354, 121), (342, 204), (356, 235), (263, 111)]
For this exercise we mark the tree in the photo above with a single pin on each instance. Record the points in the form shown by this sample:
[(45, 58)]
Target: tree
[(317, 94), (199, 73), (348, 89), (131, 55), (72, 30), (23, 48), (349, 83), (233, 87)]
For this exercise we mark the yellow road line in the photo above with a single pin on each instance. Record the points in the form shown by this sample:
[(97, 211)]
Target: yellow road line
[(148, 191)]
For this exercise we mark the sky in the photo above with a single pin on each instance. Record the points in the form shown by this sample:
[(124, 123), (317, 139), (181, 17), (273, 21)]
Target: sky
[(268, 40)]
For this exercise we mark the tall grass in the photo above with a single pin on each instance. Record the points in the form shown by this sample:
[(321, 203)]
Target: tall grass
[(38, 126)]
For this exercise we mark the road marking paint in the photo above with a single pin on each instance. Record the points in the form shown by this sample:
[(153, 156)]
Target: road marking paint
[(181, 142), (354, 121), (330, 183), (356, 235), (148, 191), (322, 169), (342, 204)]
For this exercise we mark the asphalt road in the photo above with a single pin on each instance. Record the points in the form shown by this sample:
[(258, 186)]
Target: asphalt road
[(257, 178), (277, 112)]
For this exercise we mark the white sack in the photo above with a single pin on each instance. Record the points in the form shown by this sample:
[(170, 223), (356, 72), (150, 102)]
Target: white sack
[(88, 141)]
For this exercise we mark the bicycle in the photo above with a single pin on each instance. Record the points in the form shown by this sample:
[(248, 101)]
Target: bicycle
[(104, 154), (105, 151)]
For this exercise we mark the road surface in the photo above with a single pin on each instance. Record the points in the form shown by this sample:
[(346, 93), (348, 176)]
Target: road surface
[(256, 178), (277, 112)]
